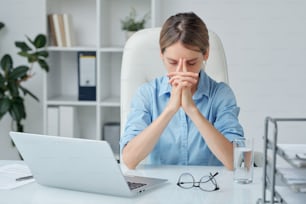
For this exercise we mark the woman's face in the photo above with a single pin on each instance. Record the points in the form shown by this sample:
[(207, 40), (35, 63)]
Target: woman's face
[(177, 51)]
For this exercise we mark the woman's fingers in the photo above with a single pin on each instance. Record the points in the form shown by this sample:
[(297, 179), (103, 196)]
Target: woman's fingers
[(180, 65), (179, 79), (184, 66), (182, 76)]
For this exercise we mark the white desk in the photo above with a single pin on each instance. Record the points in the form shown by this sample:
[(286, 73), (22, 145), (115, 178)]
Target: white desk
[(229, 192)]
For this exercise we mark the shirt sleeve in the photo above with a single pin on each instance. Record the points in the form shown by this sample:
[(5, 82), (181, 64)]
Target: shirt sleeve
[(139, 116), (226, 113)]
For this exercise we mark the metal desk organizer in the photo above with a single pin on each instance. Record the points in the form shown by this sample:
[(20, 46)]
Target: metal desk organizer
[(269, 168)]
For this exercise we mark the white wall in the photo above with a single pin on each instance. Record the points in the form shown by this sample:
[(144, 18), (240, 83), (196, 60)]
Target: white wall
[(21, 18), (265, 44)]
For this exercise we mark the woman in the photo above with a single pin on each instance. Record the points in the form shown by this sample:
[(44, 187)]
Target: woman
[(185, 117)]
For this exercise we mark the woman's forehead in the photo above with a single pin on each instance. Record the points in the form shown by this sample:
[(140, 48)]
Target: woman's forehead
[(178, 50)]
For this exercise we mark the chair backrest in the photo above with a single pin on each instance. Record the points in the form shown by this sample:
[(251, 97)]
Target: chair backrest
[(141, 62)]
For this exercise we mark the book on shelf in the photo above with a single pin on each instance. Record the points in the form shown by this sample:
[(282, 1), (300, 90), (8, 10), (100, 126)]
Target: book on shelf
[(68, 29), (52, 121), (87, 75), (111, 133), (57, 30), (68, 121), (61, 30), (52, 35), (62, 121)]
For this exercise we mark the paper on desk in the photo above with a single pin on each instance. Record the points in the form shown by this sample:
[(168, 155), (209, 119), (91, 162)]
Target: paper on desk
[(9, 173)]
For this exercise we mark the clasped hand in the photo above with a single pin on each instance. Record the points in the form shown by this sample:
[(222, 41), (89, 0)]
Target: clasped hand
[(183, 84)]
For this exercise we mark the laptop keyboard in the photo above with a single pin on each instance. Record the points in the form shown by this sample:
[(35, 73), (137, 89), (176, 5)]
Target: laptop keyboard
[(134, 185)]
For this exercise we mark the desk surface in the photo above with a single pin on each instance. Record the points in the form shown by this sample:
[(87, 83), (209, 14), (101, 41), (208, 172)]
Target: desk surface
[(229, 192)]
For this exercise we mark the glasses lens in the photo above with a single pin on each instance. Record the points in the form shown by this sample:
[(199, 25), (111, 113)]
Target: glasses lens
[(186, 180), (208, 183)]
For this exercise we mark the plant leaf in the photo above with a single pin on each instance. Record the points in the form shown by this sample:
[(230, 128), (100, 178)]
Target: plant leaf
[(17, 110), (1, 25), (4, 106), (18, 72), (2, 81), (30, 40), (13, 88), (2, 86), (23, 46), (40, 41), (43, 64), (32, 58), (43, 54), (23, 53), (6, 63), (26, 91)]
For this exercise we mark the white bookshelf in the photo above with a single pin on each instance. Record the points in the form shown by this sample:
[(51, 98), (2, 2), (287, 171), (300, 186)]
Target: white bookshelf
[(97, 28)]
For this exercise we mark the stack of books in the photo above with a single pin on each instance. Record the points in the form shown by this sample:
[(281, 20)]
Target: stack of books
[(61, 30)]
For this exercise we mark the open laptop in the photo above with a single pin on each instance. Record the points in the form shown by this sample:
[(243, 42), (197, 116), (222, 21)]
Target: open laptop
[(78, 164)]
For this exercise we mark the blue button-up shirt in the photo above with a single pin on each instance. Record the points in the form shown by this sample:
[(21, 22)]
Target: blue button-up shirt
[(181, 142)]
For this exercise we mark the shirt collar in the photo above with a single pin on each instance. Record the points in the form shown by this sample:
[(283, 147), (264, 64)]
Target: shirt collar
[(165, 86), (203, 86)]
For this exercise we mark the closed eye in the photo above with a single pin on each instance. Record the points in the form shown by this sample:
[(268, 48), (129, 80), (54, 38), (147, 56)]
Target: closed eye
[(172, 62), (191, 64)]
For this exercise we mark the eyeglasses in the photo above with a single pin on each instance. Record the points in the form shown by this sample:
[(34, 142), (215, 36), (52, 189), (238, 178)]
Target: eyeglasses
[(207, 183)]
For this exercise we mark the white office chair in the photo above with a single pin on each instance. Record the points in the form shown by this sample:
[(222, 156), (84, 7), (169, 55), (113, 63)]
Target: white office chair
[(141, 62)]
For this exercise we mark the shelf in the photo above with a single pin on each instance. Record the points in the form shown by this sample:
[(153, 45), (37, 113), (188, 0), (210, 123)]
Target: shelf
[(111, 49), (96, 27), (112, 11), (71, 49), (289, 151), (84, 19), (112, 101), (69, 100), (285, 190), (295, 178), (85, 48), (290, 196)]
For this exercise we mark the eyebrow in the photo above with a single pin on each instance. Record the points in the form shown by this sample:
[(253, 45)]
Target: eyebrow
[(191, 60)]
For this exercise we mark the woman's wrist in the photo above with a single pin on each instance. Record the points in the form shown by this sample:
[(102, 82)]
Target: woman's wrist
[(170, 110), (191, 110)]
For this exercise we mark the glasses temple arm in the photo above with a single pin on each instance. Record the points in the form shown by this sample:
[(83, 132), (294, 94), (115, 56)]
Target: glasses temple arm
[(213, 175)]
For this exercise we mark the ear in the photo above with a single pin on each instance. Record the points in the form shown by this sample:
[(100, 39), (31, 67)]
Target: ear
[(206, 55), (162, 57)]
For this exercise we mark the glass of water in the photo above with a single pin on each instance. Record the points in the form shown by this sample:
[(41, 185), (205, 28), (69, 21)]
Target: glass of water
[(243, 160)]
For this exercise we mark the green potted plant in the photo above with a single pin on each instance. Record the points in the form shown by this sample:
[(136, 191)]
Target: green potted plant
[(131, 24), (12, 92)]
